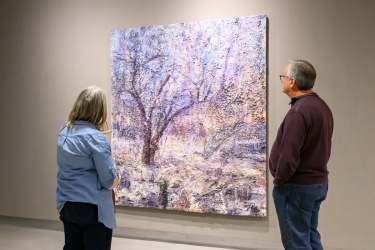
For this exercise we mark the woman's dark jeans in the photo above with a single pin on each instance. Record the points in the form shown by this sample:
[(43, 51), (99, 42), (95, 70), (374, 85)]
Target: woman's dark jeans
[(82, 229)]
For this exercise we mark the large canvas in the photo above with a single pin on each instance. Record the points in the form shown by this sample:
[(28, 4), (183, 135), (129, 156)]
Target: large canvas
[(189, 116)]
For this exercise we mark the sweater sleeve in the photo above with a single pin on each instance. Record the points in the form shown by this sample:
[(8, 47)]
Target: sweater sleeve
[(294, 136)]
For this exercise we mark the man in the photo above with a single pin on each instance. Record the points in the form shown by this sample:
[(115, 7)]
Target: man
[(299, 157)]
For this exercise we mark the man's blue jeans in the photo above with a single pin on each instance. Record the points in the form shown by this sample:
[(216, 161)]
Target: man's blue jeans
[(297, 208)]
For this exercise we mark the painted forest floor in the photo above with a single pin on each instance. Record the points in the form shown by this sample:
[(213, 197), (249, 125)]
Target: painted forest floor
[(188, 182)]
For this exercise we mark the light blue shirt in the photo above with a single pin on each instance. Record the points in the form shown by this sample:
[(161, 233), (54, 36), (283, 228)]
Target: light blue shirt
[(85, 170)]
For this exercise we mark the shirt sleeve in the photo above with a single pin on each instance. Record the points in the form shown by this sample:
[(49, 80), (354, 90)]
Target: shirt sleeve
[(294, 136), (103, 161)]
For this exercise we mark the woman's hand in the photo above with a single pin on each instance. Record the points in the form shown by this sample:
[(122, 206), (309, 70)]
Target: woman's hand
[(116, 181), (106, 131)]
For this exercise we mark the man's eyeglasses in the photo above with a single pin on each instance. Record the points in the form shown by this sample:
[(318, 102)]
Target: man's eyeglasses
[(281, 77)]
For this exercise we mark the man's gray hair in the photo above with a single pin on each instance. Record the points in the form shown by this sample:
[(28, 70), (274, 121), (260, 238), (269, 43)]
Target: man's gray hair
[(304, 74)]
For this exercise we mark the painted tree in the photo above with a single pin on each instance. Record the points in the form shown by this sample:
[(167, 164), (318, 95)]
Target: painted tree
[(161, 72)]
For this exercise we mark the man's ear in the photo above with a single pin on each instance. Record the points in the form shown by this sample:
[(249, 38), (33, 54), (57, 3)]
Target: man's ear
[(293, 83)]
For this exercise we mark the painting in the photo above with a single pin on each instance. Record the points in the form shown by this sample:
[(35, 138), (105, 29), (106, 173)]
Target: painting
[(189, 116)]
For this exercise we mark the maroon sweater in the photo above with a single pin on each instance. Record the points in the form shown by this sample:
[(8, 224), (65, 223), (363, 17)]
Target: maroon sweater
[(302, 147)]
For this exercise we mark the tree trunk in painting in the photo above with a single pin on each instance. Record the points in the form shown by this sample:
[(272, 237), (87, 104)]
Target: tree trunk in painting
[(149, 149), (150, 145), (148, 152)]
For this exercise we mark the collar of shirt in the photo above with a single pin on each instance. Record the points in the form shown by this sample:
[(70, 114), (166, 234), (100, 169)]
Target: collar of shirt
[(295, 99), (81, 122)]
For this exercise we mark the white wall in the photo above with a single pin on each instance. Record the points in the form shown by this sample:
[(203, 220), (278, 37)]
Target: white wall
[(50, 50)]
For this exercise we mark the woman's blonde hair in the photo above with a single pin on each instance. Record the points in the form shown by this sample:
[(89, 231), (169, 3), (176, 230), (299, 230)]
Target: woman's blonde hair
[(90, 106)]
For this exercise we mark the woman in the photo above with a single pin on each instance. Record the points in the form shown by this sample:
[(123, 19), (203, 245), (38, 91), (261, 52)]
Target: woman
[(86, 175)]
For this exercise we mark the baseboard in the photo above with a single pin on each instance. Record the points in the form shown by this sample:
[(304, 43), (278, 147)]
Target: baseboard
[(195, 239)]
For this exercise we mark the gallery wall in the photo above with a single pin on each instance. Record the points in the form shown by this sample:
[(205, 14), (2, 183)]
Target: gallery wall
[(50, 50)]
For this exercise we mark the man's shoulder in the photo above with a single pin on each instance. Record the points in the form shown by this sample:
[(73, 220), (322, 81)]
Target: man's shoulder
[(309, 102)]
